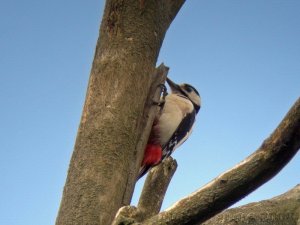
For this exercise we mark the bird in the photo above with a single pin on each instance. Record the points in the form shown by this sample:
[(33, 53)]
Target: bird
[(172, 126)]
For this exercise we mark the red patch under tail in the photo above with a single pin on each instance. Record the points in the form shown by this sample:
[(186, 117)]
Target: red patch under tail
[(152, 157)]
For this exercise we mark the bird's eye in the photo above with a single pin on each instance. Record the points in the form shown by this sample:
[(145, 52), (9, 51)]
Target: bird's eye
[(188, 88)]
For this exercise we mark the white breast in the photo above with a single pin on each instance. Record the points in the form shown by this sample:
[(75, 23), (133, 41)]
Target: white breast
[(175, 108)]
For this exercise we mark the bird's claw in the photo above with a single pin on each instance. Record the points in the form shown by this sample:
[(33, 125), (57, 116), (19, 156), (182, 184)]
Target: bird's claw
[(161, 103), (163, 90), (164, 94)]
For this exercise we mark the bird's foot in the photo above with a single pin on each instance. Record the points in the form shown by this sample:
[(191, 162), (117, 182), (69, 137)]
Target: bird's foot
[(162, 100), (163, 90)]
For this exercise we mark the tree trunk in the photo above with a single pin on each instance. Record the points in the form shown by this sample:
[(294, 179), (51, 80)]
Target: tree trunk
[(107, 153)]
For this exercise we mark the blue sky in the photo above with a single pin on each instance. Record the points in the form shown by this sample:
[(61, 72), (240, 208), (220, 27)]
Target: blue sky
[(243, 57)]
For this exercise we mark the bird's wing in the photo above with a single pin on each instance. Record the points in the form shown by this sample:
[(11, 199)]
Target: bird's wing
[(180, 135)]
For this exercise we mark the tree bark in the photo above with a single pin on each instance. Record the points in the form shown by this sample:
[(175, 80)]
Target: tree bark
[(275, 152), (152, 196), (107, 150), (283, 209), (155, 187)]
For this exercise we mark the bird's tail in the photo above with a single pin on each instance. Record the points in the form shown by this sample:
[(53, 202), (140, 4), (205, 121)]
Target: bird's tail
[(143, 170)]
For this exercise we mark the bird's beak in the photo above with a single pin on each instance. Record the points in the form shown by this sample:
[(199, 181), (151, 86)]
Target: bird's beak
[(174, 87)]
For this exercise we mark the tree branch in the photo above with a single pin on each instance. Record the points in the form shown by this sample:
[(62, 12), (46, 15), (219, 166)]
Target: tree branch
[(152, 196), (275, 152), (283, 209), (150, 111), (155, 187)]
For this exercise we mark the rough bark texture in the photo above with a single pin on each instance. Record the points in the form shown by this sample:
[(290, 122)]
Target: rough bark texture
[(275, 152), (107, 151), (283, 209), (155, 187), (152, 196), (151, 108)]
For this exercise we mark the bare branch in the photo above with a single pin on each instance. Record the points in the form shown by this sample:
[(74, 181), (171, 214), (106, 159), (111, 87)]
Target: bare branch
[(275, 152), (283, 209), (149, 113), (155, 187), (152, 196), (159, 77), (127, 215)]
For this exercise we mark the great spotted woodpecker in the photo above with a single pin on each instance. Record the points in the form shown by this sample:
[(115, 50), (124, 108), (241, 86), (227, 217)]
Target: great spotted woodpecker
[(173, 126)]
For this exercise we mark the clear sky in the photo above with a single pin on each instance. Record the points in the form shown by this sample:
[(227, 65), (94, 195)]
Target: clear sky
[(243, 57)]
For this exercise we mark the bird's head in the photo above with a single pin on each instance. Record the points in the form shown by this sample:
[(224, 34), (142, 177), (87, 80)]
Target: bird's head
[(188, 91)]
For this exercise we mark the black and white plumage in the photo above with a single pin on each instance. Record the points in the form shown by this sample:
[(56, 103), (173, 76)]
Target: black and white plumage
[(173, 125), (178, 116)]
